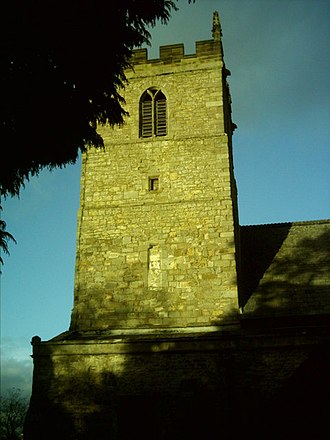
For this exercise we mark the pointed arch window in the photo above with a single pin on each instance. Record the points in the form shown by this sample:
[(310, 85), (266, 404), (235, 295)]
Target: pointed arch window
[(153, 113)]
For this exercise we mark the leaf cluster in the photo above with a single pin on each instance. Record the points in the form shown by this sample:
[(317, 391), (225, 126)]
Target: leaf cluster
[(63, 66)]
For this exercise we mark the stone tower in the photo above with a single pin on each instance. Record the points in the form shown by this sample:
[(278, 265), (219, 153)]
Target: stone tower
[(155, 348), (157, 221), (156, 280)]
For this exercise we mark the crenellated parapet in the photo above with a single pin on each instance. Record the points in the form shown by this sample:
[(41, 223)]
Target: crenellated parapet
[(172, 53)]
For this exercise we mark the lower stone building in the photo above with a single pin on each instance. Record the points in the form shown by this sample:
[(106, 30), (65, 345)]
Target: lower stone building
[(184, 323), (266, 375)]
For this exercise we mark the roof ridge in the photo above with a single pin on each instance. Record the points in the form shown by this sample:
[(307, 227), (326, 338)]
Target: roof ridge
[(295, 223)]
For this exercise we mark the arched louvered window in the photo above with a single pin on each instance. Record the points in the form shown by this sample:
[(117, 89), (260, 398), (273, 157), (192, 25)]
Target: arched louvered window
[(160, 114), (146, 115), (153, 114)]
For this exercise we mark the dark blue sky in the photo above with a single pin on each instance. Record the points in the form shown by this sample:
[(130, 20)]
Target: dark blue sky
[(279, 54)]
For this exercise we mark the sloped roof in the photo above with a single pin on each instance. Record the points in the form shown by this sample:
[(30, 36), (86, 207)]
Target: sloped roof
[(285, 269)]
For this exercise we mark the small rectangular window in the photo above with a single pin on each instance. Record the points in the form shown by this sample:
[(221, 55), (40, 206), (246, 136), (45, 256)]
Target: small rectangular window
[(153, 183)]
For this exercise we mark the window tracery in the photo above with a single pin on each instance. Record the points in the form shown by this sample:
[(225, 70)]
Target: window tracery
[(153, 113)]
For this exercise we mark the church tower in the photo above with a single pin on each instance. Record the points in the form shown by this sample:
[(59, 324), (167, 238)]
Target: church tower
[(156, 295), (158, 212), (155, 349)]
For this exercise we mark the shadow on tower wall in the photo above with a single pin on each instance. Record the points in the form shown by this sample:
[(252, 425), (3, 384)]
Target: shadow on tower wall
[(165, 389)]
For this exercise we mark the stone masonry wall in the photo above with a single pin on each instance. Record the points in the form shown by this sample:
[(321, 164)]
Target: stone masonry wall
[(164, 257), (179, 386)]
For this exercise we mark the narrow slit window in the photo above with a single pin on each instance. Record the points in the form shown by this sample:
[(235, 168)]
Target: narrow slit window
[(153, 113), (153, 183), (154, 267)]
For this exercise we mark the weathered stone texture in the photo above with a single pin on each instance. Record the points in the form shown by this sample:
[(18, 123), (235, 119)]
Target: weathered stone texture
[(164, 257)]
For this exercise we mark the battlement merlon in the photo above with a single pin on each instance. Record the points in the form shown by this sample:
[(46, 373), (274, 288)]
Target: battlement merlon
[(172, 53)]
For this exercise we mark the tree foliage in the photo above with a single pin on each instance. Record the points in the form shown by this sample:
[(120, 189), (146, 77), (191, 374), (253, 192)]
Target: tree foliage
[(63, 65), (13, 409), (62, 70), (5, 236)]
